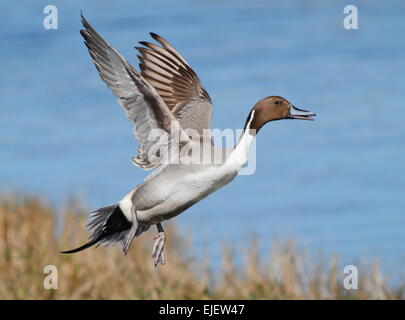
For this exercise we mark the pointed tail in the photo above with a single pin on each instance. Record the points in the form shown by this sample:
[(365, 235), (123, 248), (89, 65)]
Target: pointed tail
[(85, 246), (107, 225)]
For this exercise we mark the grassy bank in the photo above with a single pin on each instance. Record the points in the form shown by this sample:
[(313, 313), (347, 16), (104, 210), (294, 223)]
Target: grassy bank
[(28, 242)]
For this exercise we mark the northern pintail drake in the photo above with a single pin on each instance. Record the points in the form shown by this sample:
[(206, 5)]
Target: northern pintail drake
[(167, 97)]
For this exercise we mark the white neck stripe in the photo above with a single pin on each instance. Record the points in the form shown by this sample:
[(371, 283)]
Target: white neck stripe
[(252, 114)]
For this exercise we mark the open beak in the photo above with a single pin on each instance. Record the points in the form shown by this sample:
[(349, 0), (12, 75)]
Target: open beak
[(296, 113)]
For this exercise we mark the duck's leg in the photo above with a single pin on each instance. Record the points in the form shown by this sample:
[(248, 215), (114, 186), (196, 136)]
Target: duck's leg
[(157, 251)]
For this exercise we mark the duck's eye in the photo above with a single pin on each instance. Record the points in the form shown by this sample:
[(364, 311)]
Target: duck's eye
[(277, 102)]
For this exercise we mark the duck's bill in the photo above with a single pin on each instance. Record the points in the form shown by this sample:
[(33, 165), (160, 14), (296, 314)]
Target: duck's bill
[(296, 113)]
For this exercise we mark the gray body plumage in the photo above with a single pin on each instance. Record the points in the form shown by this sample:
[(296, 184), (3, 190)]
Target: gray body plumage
[(174, 188)]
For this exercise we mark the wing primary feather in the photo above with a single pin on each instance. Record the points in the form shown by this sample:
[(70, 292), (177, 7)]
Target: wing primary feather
[(137, 93), (176, 82)]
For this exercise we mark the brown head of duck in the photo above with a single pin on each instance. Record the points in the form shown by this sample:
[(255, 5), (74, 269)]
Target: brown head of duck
[(271, 109)]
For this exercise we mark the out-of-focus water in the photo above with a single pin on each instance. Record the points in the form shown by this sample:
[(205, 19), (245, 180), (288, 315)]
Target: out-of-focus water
[(336, 183)]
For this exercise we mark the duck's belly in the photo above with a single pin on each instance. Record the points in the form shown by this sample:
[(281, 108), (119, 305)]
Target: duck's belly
[(185, 192)]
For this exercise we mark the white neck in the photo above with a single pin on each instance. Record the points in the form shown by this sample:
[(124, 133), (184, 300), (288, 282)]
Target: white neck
[(239, 155)]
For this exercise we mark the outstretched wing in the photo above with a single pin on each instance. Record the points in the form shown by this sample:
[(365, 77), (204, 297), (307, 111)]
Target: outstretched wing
[(140, 101), (177, 83)]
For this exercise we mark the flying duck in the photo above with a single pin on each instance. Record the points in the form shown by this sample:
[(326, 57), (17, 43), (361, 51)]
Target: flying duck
[(166, 98)]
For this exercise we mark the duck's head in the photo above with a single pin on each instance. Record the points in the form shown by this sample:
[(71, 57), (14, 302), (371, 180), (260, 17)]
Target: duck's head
[(274, 108)]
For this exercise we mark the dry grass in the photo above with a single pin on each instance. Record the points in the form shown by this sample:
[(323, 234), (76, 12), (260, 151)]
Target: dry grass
[(28, 243)]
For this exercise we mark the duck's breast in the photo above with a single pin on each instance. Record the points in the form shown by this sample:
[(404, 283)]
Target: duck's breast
[(173, 192)]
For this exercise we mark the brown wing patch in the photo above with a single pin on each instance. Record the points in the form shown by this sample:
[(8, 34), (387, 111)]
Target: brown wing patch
[(167, 71)]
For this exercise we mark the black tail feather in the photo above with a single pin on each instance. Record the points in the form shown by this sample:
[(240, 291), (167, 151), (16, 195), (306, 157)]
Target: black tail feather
[(83, 247), (108, 225)]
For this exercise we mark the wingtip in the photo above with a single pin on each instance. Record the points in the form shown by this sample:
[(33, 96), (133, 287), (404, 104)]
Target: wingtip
[(154, 35), (85, 23), (159, 39), (82, 18)]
